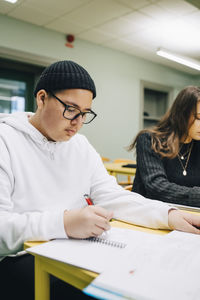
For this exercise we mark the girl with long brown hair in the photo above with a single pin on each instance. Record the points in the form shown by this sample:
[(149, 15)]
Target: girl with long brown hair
[(168, 155)]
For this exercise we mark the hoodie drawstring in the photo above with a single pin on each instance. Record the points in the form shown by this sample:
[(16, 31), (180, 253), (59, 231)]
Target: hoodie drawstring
[(50, 147)]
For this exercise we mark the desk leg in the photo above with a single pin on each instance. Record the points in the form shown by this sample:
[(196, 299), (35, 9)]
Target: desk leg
[(42, 281)]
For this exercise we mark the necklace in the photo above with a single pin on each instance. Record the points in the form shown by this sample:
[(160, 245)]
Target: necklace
[(181, 157)]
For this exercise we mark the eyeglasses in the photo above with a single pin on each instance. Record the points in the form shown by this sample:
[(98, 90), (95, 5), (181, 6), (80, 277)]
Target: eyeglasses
[(71, 113)]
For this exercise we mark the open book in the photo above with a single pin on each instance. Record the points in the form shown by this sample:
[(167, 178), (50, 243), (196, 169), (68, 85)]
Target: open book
[(94, 254), (168, 270)]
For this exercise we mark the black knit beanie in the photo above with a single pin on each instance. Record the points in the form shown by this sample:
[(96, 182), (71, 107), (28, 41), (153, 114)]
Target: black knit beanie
[(65, 75)]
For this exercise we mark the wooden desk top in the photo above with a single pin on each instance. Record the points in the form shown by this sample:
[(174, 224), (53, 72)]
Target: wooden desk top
[(114, 223), (117, 168), (77, 277), (89, 274)]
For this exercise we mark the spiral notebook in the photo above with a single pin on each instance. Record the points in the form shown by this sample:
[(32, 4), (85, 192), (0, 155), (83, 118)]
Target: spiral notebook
[(92, 254)]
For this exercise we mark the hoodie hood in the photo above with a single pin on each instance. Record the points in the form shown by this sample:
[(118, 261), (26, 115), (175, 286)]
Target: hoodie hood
[(20, 122)]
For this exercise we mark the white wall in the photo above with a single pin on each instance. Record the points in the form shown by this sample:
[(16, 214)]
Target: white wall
[(117, 77)]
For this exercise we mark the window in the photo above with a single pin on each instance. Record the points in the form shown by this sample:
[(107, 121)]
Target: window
[(12, 95), (17, 81)]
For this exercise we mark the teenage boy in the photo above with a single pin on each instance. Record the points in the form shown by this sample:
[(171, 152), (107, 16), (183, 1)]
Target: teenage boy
[(46, 168)]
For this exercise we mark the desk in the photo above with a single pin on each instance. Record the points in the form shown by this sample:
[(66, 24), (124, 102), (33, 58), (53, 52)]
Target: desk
[(75, 276), (116, 168)]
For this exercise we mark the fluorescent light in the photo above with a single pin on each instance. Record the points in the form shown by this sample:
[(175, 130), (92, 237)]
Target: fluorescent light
[(11, 1), (179, 59)]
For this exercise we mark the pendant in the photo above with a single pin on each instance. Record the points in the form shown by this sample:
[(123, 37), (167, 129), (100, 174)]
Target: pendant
[(184, 173), (182, 157)]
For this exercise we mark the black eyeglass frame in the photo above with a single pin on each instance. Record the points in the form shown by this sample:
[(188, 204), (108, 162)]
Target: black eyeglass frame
[(79, 114)]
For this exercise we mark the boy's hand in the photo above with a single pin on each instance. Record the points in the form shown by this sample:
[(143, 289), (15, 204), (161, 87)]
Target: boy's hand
[(86, 222)]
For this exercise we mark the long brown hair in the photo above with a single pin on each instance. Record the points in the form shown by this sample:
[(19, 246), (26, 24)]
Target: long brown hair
[(174, 125)]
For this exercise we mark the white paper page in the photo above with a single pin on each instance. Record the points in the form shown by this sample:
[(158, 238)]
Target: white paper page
[(184, 236), (167, 270), (92, 255)]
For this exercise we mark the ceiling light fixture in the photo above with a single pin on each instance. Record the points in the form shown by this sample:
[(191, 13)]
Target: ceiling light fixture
[(11, 1), (179, 59)]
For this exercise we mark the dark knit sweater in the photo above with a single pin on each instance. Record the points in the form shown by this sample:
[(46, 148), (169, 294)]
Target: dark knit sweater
[(163, 179)]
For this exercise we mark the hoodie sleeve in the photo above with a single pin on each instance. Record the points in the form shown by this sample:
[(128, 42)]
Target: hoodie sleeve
[(16, 228), (126, 205)]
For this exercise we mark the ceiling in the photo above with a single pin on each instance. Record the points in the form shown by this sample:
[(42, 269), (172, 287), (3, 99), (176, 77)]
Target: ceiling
[(136, 27)]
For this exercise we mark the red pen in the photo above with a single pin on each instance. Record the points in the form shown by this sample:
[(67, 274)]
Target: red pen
[(88, 199)]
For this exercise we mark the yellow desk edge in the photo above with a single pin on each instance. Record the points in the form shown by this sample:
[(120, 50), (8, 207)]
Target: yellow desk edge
[(77, 277), (114, 223)]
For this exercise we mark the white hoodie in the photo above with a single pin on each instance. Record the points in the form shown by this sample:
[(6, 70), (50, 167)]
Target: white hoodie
[(40, 179)]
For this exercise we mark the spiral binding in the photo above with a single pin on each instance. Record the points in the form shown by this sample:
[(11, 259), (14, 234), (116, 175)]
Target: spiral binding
[(107, 242)]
